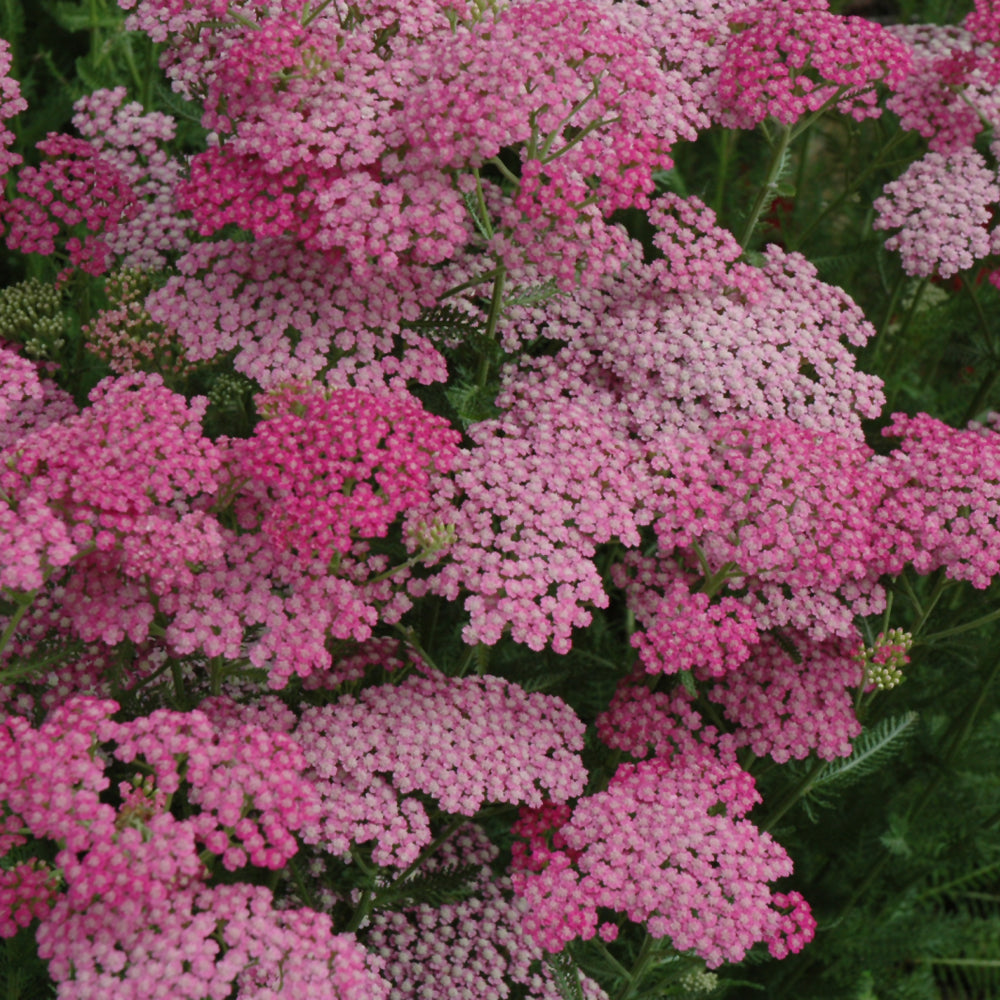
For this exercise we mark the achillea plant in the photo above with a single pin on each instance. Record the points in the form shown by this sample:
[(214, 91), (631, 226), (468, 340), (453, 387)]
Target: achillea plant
[(451, 543)]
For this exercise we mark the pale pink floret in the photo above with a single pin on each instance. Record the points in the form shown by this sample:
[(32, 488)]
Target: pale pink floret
[(134, 142), (794, 698), (941, 206), (950, 95), (11, 104), (535, 496), (426, 948), (673, 344), (665, 845), (290, 313), (794, 523), (463, 741)]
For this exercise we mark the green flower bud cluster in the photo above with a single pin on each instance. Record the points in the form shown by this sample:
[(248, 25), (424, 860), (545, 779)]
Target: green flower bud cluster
[(228, 390), (29, 315), (699, 981), (884, 661), (126, 337), (430, 539)]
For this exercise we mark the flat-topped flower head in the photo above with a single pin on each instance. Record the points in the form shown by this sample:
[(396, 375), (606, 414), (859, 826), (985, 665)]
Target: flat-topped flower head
[(786, 58), (940, 206), (342, 465)]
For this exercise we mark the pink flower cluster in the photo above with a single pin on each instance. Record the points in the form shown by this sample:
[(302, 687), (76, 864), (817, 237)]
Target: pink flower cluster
[(76, 195), (472, 948), (136, 917), (463, 742), (949, 96), (686, 631), (288, 313), (594, 113), (804, 540), (245, 781), (11, 104), (941, 206), (665, 845), (342, 465), (946, 504), (106, 482), (786, 58), (535, 496)]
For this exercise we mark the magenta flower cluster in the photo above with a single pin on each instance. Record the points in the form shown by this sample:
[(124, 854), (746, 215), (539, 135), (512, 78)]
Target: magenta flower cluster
[(241, 748)]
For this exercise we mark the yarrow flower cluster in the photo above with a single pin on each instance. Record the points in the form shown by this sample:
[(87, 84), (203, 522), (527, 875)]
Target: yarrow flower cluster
[(341, 465), (534, 499), (463, 742), (941, 206), (105, 484), (254, 737), (472, 947), (786, 59), (670, 850), (75, 195)]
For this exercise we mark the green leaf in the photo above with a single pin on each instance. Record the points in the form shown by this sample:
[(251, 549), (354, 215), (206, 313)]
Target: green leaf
[(566, 975), (439, 888), (446, 324), (481, 221), (75, 17), (533, 294), (873, 748)]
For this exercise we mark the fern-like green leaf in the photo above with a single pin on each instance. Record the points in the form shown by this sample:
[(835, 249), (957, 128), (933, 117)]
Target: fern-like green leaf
[(872, 749), (82, 17), (481, 222), (471, 403), (11, 19), (534, 293), (974, 882), (566, 975), (448, 885), (446, 324), (176, 105)]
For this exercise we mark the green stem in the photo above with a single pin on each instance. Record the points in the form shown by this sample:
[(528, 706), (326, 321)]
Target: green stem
[(897, 290), (504, 170), (900, 335), (479, 279), (363, 909), (481, 202), (939, 587), (573, 111), (496, 308), (727, 144), (622, 971), (795, 793), (859, 179), (639, 967), (410, 638), (958, 629), (444, 835), (216, 674), (308, 16), (180, 694), (15, 619), (779, 157)]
